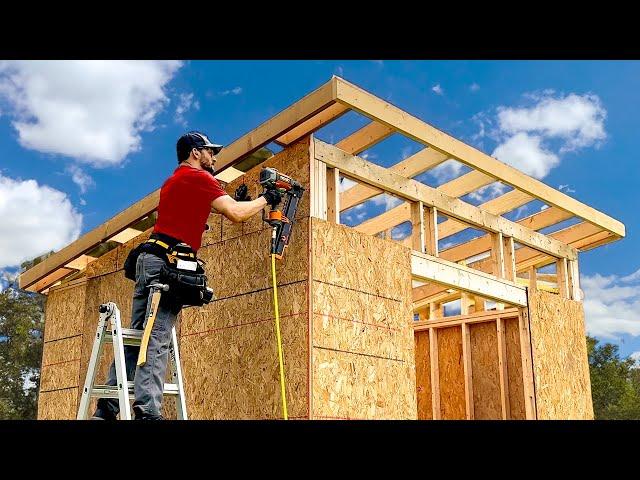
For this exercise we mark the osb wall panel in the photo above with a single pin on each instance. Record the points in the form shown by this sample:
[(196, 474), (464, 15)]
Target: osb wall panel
[(423, 375), (451, 369), (560, 365), (64, 313), (58, 404), (351, 386), (360, 322), (347, 258), (230, 356), (514, 369), (214, 233), (292, 161), (363, 355), (243, 264), (61, 363), (107, 263), (485, 371)]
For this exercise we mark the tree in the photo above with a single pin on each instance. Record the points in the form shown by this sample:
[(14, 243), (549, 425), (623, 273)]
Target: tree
[(615, 383), (21, 337)]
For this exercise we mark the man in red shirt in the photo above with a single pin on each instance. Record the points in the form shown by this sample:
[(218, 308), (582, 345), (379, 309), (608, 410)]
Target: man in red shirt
[(186, 200)]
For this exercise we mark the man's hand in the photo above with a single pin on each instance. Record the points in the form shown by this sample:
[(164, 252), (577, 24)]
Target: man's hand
[(273, 197), (242, 194)]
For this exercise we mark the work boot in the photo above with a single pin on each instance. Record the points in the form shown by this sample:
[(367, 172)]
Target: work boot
[(140, 415), (101, 414)]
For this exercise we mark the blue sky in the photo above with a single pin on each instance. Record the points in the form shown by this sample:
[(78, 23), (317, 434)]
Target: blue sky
[(81, 141)]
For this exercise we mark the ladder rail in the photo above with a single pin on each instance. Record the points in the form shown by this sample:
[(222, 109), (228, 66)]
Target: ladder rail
[(176, 375), (121, 366), (96, 351)]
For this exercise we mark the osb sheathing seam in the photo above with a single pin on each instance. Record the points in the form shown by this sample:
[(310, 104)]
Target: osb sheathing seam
[(363, 345), (514, 369), (60, 363), (58, 404), (423, 376), (230, 357), (560, 364), (64, 313), (451, 369), (359, 322), (485, 371)]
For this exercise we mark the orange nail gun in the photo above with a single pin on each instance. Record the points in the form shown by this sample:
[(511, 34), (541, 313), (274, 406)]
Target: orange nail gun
[(281, 219)]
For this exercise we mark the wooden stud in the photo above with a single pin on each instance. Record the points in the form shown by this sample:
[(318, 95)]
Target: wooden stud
[(479, 303), (435, 373), (502, 365), (527, 365), (466, 302), (574, 280), (417, 227), (533, 279), (468, 377), (497, 255), (436, 310), (562, 277), (333, 195), (508, 250), (318, 201), (380, 177)]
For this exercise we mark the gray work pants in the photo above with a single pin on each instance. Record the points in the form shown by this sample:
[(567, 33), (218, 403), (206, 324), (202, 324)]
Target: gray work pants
[(149, 378)]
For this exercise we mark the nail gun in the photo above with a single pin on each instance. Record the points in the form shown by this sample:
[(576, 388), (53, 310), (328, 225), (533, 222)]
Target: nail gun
[(281, 219)]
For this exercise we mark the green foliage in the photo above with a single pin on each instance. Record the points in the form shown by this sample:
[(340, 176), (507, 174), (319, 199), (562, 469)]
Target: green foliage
[(615, 383), (21, 337)]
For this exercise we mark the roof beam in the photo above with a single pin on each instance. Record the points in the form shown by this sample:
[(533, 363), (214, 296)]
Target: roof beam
[(365, 138), (309, 126), (384, 112), (410, 167), (455, 188), (393, 183), (125, 235), (427, 268)]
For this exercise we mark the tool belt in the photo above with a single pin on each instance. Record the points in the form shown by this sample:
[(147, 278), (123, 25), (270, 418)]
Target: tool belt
[(182, 271)]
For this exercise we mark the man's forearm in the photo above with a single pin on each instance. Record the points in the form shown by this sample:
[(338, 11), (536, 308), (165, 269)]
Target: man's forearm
[(246, 210)]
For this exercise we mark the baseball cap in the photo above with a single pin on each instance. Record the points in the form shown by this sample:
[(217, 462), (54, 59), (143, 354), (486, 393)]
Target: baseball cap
[(195, 140)]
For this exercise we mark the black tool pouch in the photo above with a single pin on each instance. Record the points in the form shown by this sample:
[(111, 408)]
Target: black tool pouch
[(130, 263), (189, 288)]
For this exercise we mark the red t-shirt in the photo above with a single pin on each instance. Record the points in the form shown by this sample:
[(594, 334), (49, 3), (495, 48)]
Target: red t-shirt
[(185, 204)]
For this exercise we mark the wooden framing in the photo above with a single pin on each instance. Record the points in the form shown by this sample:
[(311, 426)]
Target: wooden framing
[(380, 177), (427, 268), (384, 112), (329, 102)]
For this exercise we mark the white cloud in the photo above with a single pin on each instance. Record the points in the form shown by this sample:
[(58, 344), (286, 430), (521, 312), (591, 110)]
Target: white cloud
[(233, 91), (526, 153), (80, 178), (35, 219), (577, 119), (185, 102), (437, 89), (474, 87), (389, 201), (339, 71), (368, 155), (405, 152), (566, 188), (346, 184), (91, 110), (636, 357), (488, 192), (612, 309), (447, 170)]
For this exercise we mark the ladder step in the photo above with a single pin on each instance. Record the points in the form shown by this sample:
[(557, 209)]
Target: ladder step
[(110, 391), (130, 336)]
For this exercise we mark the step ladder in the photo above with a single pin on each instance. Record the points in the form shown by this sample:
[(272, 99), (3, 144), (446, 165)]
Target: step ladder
[(110, 331)]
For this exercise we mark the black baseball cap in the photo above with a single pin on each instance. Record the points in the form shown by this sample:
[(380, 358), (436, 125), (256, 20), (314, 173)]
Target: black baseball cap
[(194, 140)]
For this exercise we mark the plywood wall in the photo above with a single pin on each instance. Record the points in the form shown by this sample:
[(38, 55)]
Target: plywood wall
[(363, 364), (62, 353), (559, 351), (485, 371), (423, 376)]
